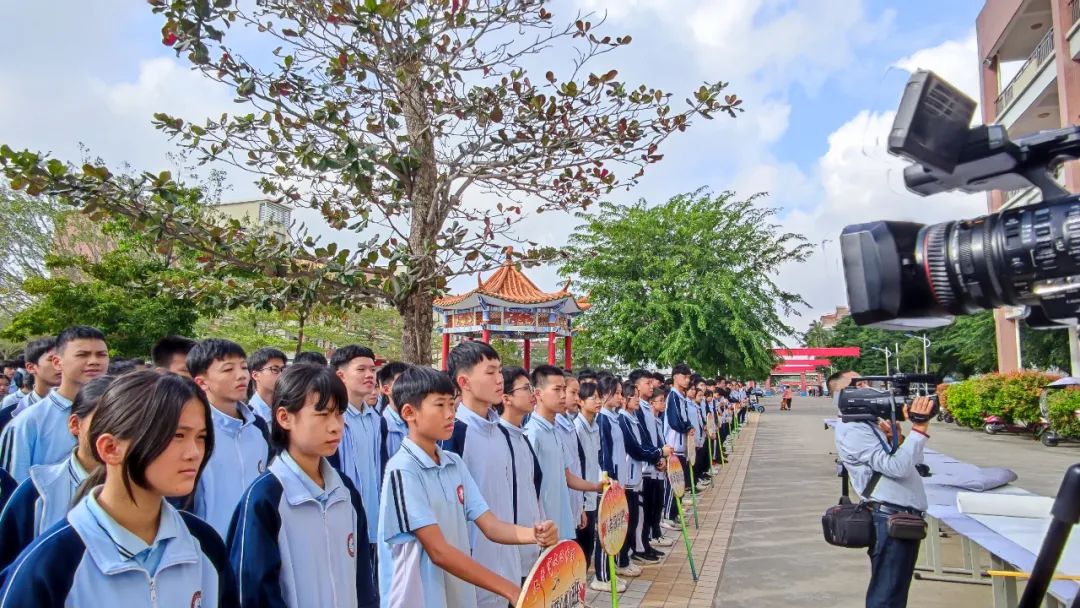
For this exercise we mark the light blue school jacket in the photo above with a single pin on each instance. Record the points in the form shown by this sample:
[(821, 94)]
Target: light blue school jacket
[(295, 544), (77, 562)]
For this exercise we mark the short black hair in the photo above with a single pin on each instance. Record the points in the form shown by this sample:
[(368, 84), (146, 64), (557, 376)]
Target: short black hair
[(36, 349), (696, 379), (310, 356), (86, 400), (78, 332), (680, 369), (168, 347), (588, 389), (205, 352), (468, 355), (608, 384), (510, 375), (25, 380), (416, 383), (541, 373), (389, 371), (586, 375), (347, 353), (628, 390), (659, 392), (638, 374), (292, 390), (119, 367), (658, 377), (263, 355)]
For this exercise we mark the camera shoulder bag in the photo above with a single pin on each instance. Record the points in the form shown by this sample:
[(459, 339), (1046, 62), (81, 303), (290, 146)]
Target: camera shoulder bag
[(850, 525)]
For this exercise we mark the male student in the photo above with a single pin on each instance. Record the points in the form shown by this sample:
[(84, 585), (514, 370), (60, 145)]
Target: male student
[(486, 448), (573, 450), (640, 453), (653, 474), (589, 435), (678, 429), (265, 365), (39, 435), (549, 386), (41, 365), (394, 429), (310, 356), (428, 499), (241, 438), (169, 354), (517, 402), (358, 455), (25, 384)]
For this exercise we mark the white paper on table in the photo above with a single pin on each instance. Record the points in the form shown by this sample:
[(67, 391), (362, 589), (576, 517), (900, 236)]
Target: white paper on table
[(1008, 505), (1029, 533)]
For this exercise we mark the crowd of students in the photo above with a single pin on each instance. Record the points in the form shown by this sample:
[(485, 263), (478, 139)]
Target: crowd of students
[(211, 477)]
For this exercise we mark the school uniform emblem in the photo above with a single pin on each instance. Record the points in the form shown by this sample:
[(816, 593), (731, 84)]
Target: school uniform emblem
[(350, 544), (461, 494), (260, 467), (196, 600)]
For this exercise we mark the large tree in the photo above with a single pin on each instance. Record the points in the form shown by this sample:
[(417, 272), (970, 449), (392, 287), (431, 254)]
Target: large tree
[(394, 118), (688, 280)]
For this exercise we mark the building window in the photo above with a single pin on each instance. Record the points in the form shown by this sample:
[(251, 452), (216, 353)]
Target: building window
[(272, 214)]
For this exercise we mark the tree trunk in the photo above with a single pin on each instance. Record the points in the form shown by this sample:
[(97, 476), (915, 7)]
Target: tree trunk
[(418, 325), (302, 319)]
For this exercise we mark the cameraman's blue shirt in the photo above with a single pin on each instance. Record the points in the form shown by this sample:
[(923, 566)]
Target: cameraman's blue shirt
[(861, 446)]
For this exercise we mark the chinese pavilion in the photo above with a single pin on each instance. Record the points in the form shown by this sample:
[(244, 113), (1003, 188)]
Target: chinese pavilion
[(508, 305)]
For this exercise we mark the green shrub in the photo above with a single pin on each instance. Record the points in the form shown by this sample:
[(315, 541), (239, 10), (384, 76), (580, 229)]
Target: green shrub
[(965, 402), (1018, 396), (1063, 405)]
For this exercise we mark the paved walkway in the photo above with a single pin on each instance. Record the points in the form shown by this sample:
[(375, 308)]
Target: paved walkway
[(670, 583)]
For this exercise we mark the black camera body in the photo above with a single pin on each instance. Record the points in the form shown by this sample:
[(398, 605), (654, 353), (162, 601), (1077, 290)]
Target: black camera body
[(905, 275), (870, 404)]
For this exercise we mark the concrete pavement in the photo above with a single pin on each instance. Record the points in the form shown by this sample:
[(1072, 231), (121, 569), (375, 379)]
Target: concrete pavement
[(777, 556)]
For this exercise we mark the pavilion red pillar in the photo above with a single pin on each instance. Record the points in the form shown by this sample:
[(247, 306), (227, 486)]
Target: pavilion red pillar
[(551, 348), (568, 350), (526, 354), (485, 336), (802, 381), (445, 350)]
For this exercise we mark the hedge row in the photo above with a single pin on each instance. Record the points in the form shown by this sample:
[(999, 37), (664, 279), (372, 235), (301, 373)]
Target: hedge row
[(1012, 396), (1063, 406)]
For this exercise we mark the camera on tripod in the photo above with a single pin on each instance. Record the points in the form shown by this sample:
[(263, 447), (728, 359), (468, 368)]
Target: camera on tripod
[(869, 404), (905, 275)]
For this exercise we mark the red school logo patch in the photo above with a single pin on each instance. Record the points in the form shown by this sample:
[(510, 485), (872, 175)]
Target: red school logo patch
[(196, 600), (461, 494), (350, 544)]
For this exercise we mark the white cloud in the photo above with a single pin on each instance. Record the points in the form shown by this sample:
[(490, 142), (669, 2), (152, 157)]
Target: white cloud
[(954, 60)]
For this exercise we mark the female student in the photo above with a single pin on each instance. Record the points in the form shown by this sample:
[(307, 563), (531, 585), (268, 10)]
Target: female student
[(299, 537), (123, 544), (46, 496)]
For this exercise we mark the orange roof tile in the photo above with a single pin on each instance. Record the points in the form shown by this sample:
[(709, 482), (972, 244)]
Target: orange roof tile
[(508, 283)]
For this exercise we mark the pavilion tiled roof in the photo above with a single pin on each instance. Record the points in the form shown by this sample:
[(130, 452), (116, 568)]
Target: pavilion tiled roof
[(508, 283)]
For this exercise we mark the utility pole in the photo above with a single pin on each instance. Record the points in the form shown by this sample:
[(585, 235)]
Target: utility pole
[(887, 353)]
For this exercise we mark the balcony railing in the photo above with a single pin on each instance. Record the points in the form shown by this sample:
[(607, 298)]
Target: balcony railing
[(1043, 52)]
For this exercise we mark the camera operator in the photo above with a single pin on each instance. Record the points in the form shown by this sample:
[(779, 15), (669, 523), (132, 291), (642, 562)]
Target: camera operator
[(866, 449)]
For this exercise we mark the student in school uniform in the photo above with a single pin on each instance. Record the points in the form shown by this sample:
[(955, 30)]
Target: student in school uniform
[(678, 429), (169, 354), (613, 463), (310, 356), (219, 367), (487, 450), (123, 544), (518, 401), (549, 387), (573, 451), (652, 490), (357, 456), (265, 366), (40, 435), (47, 495), (41, 367), (659, 482), (429, 497), (640, 454), (25, 384), (589, 434), (298, 537), (393, 430)]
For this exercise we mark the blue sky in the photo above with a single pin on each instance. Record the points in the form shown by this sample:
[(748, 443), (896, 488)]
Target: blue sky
[(820, 79)]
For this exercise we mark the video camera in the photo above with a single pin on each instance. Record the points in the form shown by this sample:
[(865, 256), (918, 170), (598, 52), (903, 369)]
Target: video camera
[(870, 404), (905, 275)]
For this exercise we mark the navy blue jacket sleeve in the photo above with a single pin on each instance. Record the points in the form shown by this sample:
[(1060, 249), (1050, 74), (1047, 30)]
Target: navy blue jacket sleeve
[(456, 443), (17, 523), (214, 549), (606, 446), (674, 415), (634, 447), (43, 574), (367, 594), (7, 414), (253, 544)]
